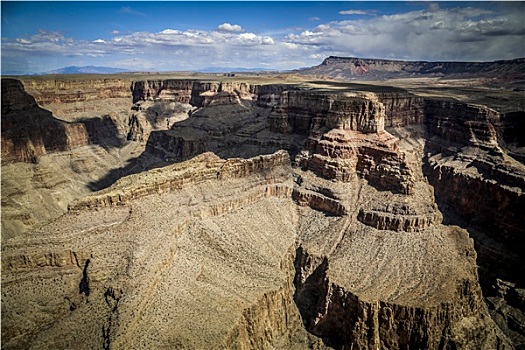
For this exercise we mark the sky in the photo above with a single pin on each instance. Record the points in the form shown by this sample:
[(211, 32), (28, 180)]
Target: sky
[(180, 36)]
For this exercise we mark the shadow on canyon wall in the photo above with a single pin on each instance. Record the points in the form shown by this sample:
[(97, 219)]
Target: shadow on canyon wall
[(103, 131), (30, 131), (487, 202), (232, 133), (343, 86)]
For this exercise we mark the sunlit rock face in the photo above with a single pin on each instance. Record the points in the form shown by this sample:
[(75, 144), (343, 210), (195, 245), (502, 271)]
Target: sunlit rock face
[(192, 214)]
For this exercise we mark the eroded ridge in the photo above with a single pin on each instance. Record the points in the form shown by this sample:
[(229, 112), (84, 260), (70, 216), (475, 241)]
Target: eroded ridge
[(399, 217), (117, 272)]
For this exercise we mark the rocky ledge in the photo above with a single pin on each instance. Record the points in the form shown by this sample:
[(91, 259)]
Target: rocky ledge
[(400, 217)]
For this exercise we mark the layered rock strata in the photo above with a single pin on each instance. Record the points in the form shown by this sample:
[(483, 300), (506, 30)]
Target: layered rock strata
[(304, 111), (399, 217), (481, 188), (47, 162), (187, 91), (197, 254), (361, 284), (52, 90), (379, 69), (344, 240), (29, 131), (402, 109)]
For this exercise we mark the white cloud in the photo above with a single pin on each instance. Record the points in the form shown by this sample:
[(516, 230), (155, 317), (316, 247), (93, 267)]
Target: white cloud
[(353, 12), (435, 34), (170, 31), (227, 27)]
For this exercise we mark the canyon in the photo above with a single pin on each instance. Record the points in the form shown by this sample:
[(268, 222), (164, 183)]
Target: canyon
[(150, 211)]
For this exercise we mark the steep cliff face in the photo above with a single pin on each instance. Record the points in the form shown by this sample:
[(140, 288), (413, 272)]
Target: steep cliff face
[(102, 104), (402, 109), (187, 91), (51, 90), (305, 111), (29, 131), (480, 187), (346, 321), (461, 124)]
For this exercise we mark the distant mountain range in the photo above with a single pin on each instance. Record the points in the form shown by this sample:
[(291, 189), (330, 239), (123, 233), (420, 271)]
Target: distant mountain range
[(377, 69), (87, 70), (361, 69), (111, 70)]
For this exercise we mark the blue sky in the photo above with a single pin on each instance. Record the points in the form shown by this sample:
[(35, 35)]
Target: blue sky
[(162, 36)]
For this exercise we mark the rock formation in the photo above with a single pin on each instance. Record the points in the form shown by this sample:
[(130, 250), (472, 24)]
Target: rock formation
[(373, 69), (29, 132), (266, 216), (480, 187)]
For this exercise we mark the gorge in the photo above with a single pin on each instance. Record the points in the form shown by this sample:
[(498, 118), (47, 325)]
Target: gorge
[(262, 212)]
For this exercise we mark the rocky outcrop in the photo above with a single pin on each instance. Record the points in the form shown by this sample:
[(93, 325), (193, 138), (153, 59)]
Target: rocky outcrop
[(402, 109), (48, 90), (377, 69), (399, 217), (478, 186), (202, 168), (319, 201), (385, 170), (342, 155), (347, 137), (29, 131), (187, 91), (302, 112), (346, 321)]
